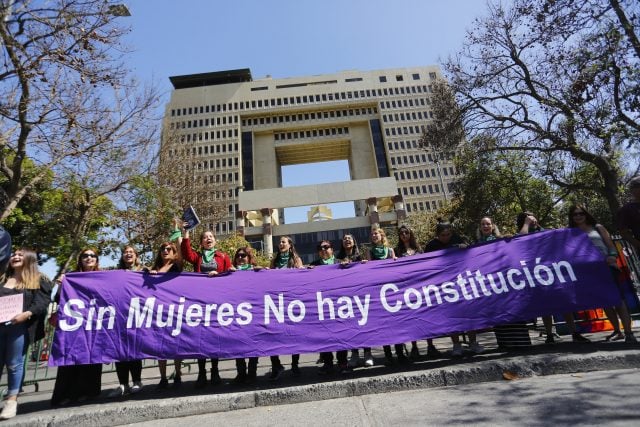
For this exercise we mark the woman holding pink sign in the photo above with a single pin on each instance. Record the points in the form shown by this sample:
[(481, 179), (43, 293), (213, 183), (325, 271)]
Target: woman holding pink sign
[(24, 280)]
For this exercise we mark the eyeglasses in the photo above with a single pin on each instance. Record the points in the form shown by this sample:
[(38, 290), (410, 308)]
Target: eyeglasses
[(241, 255), (578, 214), (325, 247), (85, 256), (166, 249)]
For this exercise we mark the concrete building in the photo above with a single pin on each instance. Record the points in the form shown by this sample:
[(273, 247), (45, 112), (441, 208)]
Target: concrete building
[(240, 131)]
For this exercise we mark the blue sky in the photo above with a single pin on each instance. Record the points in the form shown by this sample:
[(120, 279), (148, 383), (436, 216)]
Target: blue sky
[(287, 38)]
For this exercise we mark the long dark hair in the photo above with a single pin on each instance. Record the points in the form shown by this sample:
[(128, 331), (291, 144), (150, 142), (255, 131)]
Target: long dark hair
[(293, 254), (589, 218), (355, 253), (401, 248)]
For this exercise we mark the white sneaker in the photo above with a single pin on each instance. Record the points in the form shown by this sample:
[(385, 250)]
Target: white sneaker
[(476, 348), (136, 387), (118, 391), (10, 409), (457, 350), (368, 359), (354, 361)]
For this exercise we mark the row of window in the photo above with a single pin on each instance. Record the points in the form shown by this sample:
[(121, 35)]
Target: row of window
[(301, 99), (207, 149), (210, 136), (219, 163), (424, 206), (222, 177), (405, 103), (404, 130), (400, 77), (420, 189), (329, 114), (313, 133), (213, 121), (402, 117)]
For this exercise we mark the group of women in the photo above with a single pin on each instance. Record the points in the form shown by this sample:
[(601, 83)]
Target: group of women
[(81, 382)]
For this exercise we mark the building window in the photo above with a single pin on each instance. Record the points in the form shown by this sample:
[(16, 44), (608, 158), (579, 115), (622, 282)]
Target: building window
[(383, 79), (399, 78)]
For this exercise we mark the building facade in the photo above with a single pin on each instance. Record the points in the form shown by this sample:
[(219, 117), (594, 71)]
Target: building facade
[(240, 131)]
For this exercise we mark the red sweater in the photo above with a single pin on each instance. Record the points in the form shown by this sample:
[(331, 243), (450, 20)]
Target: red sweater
[(195, 258)]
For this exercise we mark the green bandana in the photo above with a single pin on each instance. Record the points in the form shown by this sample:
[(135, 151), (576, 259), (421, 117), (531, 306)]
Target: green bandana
[(379, 252), (283, 260), (175, 234), (329, 261), (207, 255), (244, 267)]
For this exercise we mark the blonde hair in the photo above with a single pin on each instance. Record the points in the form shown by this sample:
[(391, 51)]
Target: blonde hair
[(30, 275), (385, 241)]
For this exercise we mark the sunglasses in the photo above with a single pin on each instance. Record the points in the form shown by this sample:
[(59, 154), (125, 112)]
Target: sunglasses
[(85, 256), (166, 249), (241, 255), (404, 232), (578, 214), (325, 247)]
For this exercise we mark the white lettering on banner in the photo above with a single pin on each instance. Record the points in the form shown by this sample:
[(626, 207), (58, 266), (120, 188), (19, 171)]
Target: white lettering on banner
[(467, 286), (413, 299)]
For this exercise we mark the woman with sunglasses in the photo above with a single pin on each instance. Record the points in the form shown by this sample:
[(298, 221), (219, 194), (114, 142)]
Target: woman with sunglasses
[(128, 261), (244, 260), (580, 218), (211, 262), (408, 246), (286, 257), (327, 257), (167, 260), (79, 383), (22, 278)]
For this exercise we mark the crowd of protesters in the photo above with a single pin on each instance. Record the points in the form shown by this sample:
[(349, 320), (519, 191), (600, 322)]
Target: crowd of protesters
[(75, 384)]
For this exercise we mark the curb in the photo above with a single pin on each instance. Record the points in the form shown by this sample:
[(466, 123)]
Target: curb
[(519, 366)]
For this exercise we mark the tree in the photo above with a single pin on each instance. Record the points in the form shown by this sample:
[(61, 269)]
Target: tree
[(555, 80), (66, 100), (187, 180), (500, 186)]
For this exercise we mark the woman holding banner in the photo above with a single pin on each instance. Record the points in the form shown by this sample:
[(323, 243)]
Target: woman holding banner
[(408, 246), (243, 260), (128, 261), (211, 262), (580, 218), (22, 279), (79, 382), (380, 250), (167, 261), (446, 238), (287, 257)]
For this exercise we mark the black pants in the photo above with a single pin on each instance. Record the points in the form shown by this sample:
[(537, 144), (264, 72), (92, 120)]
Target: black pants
[(241, 367), (327, 357), (123, 369), (202, 366), (275, 360), (398, 347)]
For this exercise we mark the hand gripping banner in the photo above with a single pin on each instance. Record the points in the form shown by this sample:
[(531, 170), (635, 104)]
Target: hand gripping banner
[(120, 315)]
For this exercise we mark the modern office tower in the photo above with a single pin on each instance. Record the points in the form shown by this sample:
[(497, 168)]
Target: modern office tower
[(238, 132)]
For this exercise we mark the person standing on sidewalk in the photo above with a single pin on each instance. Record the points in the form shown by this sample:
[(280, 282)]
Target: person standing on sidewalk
[(78, 383), (210, 262), (128, 261), (22, 277), (580, 218), (629, 216), (287, 257), (244, 260)]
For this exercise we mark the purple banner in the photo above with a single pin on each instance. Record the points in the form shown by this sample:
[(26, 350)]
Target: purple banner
[(119, 315)]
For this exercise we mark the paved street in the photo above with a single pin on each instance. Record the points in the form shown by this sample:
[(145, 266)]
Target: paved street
[(592, 398)]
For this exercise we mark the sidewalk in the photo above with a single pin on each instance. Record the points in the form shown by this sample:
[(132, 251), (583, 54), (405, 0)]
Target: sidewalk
[(493, 365)]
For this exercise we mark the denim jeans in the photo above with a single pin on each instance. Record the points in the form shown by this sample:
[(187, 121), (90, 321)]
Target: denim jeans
[(13, 347)]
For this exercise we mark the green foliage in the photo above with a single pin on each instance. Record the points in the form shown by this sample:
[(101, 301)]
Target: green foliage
[(232, 243), (500, 185)]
